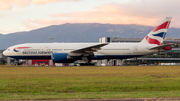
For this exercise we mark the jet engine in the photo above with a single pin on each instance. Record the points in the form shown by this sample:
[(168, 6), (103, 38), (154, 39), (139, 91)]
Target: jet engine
[(62, 58)]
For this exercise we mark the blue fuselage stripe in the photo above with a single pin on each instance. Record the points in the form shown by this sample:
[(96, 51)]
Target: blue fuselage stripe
[(97, 57), (31, 57)]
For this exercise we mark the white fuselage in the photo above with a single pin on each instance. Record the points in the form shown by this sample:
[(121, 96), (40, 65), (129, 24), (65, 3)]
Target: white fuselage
[(110, 51)]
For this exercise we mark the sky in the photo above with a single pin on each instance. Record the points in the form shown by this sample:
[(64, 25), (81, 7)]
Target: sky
[(26, 15)]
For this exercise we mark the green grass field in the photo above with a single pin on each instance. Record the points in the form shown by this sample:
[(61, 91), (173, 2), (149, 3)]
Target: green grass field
[(17, 82)]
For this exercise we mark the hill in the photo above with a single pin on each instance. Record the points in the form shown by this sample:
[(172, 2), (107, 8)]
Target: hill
[(79, 33)]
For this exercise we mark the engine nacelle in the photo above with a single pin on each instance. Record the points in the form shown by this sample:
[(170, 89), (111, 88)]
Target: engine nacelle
[(62, 58)]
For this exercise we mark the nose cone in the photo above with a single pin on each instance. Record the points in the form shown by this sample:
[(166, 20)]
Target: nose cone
[(5, 53)]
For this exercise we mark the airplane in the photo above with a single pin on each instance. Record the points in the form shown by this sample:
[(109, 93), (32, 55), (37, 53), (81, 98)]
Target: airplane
[(71, 52)]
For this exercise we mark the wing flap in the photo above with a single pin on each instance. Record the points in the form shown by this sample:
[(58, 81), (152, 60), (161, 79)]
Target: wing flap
[(88, 50)]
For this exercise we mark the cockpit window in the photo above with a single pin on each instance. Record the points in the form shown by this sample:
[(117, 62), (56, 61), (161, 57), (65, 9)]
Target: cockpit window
[(8, 49)]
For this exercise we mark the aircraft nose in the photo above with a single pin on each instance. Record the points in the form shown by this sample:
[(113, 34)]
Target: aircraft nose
[(5, 53)]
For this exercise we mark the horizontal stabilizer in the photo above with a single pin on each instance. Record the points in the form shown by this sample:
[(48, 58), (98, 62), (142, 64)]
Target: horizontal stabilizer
[(161, 47)]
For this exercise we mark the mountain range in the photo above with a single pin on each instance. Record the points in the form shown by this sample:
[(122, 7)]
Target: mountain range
[(88, 32)]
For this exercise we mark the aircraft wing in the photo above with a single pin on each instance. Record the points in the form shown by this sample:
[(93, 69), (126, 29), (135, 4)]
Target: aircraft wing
[(89, 49), (162, 46)]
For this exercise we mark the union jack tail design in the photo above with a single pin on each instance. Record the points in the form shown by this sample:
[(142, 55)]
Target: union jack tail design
[(157, 35)]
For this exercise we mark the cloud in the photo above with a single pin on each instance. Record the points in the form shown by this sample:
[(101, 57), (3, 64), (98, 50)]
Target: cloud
[(143, 12), (38, 23), (48, 1), (8, 4)]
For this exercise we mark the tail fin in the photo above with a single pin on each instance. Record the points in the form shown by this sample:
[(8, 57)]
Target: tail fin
[(157, 35)]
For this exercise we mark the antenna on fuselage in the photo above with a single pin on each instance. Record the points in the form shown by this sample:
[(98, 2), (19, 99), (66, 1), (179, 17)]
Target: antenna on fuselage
[(51, 39)]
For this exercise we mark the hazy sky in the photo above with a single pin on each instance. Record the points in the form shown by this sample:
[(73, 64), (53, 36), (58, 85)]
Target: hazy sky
[(25, 15)]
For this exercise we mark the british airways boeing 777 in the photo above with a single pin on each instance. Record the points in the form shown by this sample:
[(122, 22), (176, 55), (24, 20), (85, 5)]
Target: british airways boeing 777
[(70, 52)]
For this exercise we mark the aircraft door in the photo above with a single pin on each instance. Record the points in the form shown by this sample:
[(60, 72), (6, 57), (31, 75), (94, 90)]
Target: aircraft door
[(135, 50), (19, 51), (46, 50)]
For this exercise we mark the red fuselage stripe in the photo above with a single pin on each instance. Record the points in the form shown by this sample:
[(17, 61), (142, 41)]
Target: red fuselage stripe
[(22, 47)]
